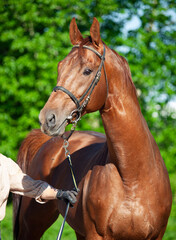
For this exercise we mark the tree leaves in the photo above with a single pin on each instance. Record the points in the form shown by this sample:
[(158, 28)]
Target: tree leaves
[(35, 37)]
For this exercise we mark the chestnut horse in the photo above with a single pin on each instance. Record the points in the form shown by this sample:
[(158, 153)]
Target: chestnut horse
[(124, 185)]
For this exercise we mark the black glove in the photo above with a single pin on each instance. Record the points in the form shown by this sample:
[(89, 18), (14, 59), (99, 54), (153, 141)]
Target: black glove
[(67, 196)]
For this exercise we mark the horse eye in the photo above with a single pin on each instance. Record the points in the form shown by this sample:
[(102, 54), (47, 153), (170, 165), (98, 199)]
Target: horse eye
[(87, 71)]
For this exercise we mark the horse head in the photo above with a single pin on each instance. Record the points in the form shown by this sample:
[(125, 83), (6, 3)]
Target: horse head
[(81, 83)]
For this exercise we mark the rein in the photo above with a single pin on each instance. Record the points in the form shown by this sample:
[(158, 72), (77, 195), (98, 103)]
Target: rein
[(78, 112), (90, 89)]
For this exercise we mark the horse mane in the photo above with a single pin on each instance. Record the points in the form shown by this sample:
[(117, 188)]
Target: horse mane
[(29, 148), (125, 66), (86, 40)]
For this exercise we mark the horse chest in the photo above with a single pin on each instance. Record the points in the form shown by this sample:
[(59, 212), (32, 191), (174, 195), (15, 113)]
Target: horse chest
[(117, 221), (111, 213), (131, 221)]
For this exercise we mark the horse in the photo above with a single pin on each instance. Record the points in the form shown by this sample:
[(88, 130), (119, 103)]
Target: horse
[(124, 186)]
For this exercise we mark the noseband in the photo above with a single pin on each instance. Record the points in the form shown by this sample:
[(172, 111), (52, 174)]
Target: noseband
[(90, 89)]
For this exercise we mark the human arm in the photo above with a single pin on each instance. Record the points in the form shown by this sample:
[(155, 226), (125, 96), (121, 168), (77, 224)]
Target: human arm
[(21, 183)]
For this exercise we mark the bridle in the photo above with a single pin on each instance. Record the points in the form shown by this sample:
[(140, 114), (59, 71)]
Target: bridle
[(86, 95), (89, 90)]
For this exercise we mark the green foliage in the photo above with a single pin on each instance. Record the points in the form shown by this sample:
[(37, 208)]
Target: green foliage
[(34, 37)]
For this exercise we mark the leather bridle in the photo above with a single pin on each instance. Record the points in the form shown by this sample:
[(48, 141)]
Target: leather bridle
[(86, 95)]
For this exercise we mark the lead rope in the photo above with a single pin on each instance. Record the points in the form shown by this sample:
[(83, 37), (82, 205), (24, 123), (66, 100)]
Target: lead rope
[(67, 155)]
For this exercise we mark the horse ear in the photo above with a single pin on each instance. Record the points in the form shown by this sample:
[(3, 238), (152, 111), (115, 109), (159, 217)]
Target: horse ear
[(75, 35), (95, 32)]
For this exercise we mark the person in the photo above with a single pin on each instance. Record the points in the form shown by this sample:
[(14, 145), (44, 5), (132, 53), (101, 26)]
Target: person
[(12, 179)]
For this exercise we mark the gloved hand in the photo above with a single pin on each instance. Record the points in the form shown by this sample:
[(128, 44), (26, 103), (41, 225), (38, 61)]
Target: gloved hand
[(67, 196)]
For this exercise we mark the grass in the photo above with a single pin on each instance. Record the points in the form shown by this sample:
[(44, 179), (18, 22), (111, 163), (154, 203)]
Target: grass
[(68, 233), (51, 233), (170, 233)]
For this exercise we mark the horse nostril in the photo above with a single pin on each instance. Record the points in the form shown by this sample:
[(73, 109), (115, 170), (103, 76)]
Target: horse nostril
[(51, 120)]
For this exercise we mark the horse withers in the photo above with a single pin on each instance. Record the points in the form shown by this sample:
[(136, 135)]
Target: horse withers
[(124, 185)]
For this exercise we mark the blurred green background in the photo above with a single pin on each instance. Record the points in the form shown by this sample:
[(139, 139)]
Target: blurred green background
[(34, 37)]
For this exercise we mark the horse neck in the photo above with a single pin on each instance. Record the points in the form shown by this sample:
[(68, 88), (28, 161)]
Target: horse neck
[(130, 143)]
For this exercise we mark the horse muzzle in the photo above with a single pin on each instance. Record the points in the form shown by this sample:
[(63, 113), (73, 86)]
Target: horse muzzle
[(50, 124)]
